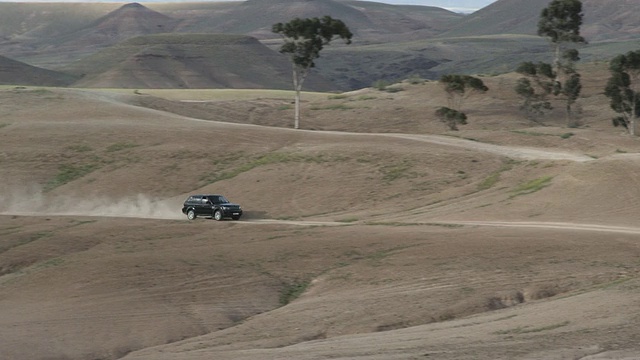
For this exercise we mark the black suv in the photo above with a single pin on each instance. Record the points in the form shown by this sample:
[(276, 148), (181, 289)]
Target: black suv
[(215, 206)]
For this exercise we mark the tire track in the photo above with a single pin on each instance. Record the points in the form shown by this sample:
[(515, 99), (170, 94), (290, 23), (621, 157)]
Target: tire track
[(548, 225)]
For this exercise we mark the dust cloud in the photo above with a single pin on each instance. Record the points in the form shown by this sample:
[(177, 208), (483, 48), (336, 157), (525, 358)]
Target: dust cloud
[(34, 201)]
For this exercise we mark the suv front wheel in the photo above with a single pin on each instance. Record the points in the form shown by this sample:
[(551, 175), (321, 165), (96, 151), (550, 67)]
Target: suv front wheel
[(217, 215)]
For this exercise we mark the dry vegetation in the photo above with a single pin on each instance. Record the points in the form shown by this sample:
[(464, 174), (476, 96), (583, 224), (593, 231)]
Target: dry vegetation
[(385, 238)]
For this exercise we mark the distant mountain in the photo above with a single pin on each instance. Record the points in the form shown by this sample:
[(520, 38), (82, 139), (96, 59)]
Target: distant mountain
[(604, 20), (391, 42), (126, 22), (188, 61), (367, 20)]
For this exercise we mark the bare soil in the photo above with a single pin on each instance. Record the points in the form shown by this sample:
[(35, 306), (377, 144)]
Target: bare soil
[(372, 233)]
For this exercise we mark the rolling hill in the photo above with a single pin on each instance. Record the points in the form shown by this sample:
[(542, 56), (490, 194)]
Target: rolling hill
[(18, 73), (372, 233)]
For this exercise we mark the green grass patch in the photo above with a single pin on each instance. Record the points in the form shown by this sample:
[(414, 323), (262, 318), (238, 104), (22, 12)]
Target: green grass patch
[(490, 181), (268, 159), (614, 283), (494, 177), (292, 291), (415, 80), (348, 220), (397, 171), (448, 226), (392, 223), (379, 255), (381, 84), (68, 173), (532, 186), (397, 223), (393, 89), (39, 91), (567, 135), (2, 125), (49, 263), (121, 146), (332, 107), (530, 133), (528, 330), (80, 148), (535, 133), (26, 240)]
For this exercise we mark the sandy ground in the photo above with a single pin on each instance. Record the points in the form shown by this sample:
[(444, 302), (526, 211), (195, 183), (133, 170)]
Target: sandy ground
[(361, 238)]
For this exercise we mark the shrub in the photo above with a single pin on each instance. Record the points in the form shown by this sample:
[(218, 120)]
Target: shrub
[(292, 291)]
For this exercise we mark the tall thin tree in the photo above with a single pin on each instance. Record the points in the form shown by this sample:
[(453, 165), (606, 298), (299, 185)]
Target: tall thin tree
[(623, 89), (560, 23), (303, 41)]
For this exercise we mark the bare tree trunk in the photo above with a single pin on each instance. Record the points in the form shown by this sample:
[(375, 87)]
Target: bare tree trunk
[(296, 87), (299, 75), (633, 121), (558, 65)]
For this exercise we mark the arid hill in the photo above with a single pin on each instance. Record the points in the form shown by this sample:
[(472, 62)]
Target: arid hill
[(371, 233), (16, 73)]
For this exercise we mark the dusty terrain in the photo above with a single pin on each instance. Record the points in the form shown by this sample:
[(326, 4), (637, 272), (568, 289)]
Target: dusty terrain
[(505, 240)]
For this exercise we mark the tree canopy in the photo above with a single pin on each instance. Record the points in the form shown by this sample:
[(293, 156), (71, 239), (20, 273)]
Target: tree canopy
[(535, 88), (561, 21), (458, 88)]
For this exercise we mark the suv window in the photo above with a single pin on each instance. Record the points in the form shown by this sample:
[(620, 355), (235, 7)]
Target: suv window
[(218, 200), (193, 199)]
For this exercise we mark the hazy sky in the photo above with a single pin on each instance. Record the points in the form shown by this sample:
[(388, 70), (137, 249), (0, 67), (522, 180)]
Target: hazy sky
[(454, 5)]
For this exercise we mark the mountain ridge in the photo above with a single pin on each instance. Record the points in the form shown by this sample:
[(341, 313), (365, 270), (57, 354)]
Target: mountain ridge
[(391, 42)]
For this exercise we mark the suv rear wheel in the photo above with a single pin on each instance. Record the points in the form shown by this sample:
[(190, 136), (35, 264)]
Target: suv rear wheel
[(191, 215)]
